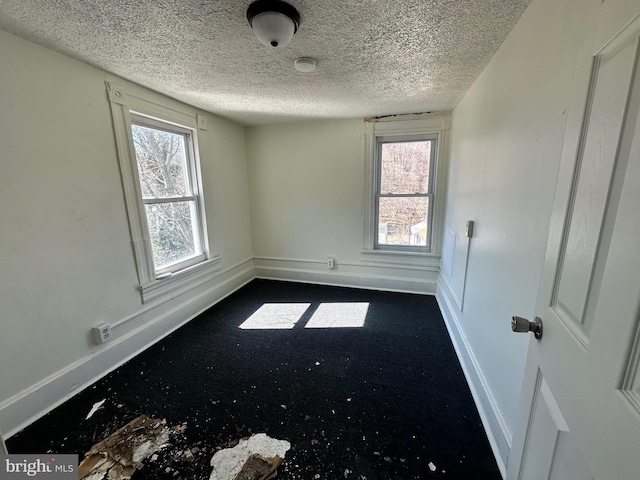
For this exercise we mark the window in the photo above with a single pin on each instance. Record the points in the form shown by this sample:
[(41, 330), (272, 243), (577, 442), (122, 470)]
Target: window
[(404, 192), (159, 164), (166, 169), (405, 179)]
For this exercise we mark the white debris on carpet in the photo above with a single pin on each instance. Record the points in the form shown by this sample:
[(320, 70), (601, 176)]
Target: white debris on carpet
[(95, 408), (258, 452)]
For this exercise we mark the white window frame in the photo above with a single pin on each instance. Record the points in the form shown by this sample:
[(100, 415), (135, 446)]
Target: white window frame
[(385, 139), (128, 107), (193, 196), (375, 133)]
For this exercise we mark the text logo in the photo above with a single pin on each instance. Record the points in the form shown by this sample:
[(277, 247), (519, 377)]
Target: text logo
[(46, 466)]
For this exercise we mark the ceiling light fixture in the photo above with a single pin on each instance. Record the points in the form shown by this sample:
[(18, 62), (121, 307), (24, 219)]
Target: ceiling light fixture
[(273, 21)]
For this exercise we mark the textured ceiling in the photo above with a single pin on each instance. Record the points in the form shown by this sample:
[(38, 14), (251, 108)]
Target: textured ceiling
[(375, 57)]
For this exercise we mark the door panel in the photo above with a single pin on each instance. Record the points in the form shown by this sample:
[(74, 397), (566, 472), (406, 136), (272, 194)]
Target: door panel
[(552, 451), (594, 168), (547, 426), (631, 382), (569, 462), (612, 391), (581, 398)]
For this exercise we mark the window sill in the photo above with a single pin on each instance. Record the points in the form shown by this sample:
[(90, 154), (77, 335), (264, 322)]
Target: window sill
[(180, 282)]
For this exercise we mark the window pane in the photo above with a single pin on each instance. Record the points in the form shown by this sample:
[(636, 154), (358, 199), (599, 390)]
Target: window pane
[(171, 230), (161, 158), (403, 221), (405, 167)]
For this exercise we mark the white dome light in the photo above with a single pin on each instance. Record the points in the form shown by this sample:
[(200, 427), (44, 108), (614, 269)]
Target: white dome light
[(274, 22)]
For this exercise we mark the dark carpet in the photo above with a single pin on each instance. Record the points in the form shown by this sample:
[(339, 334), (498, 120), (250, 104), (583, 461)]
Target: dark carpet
[(383, 401)]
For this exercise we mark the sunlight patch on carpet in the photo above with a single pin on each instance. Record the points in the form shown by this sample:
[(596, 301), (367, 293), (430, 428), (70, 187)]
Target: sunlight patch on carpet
[(276, 316), (339, 315)]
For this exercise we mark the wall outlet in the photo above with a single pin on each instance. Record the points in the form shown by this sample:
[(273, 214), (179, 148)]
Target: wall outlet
[(330, 262), (101, 333)]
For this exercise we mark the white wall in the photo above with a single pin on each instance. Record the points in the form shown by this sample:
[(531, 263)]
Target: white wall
[(66, 259), (307, 200), (507, 141)]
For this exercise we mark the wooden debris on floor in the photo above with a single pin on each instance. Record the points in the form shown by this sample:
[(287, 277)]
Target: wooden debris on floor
[(255, 458), (258, 467), (119, 455)]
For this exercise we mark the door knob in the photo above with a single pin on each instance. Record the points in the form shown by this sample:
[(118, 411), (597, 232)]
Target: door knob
[(519, 324)]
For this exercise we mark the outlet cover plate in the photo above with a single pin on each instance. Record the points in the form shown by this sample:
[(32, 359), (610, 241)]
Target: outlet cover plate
[(101, 333)]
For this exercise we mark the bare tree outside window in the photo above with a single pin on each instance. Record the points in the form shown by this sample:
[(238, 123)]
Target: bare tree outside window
[(403, 193), (170, 206)]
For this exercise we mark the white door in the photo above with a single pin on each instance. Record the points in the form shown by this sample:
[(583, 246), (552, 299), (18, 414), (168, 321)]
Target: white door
[(580, 407)]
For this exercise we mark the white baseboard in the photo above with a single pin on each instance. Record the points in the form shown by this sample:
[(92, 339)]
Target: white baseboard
[(497, 430), (27, 406), (394, 278)]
